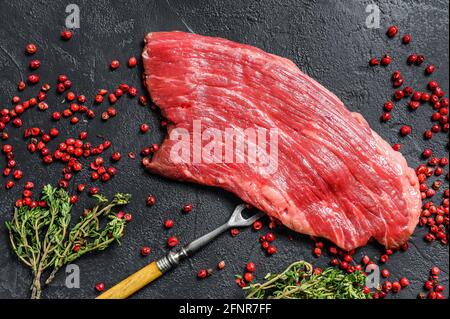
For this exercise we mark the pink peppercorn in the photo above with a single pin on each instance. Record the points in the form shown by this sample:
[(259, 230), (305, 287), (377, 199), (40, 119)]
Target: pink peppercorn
[(430, 69), (374, 61), (392, 31), (406, 39), (386, 60), (405, 130)]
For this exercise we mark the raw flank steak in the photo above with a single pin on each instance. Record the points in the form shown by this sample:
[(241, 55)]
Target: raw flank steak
[(334, 176)]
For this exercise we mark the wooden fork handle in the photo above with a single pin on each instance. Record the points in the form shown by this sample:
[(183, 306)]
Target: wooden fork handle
[(133, 283)]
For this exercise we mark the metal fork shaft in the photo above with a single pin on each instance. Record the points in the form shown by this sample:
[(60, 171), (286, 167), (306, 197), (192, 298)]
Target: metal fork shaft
[(172, 259), (205, 239)]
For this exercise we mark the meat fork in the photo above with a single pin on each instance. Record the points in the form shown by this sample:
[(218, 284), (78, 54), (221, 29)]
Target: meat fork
[(156, 269)]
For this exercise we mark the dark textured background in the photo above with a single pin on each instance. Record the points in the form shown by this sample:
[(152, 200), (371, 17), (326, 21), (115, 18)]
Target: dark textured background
[(326, 39)]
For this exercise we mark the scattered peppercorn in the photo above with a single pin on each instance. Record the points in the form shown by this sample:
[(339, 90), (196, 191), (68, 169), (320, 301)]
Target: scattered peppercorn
[(172, 241), (187, 208), (412, 59), (250, 267), (100, 287), (405, 130), (145, 251), (420, 59), (234, 232), (31, 49), (151, 200), (132, 62), (66, 35), (430, 69), (168, 223), (374, 61), (144, 128), (392, 31), (386, 60), (202, 274), (257, 225), (406, 39), (385, 273), (114, 64), (248, 277), (221, 265)]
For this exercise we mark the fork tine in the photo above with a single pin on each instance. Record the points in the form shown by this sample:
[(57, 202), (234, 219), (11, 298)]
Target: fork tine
[(237, 219), (238, 210), (254, 218)]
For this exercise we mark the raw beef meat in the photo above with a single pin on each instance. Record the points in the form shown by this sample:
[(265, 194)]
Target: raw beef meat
[(332, 177)]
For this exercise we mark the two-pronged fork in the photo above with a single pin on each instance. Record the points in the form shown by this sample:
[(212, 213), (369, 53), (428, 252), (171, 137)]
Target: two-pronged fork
[(156, 269)]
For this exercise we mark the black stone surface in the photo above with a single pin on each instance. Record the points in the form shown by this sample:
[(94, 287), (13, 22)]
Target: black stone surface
[(326, 39)]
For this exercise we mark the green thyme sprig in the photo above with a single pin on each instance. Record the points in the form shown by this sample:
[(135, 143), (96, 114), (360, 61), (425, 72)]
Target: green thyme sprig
[(41, 239), (88, 235), (24, 233), (299, 281)]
